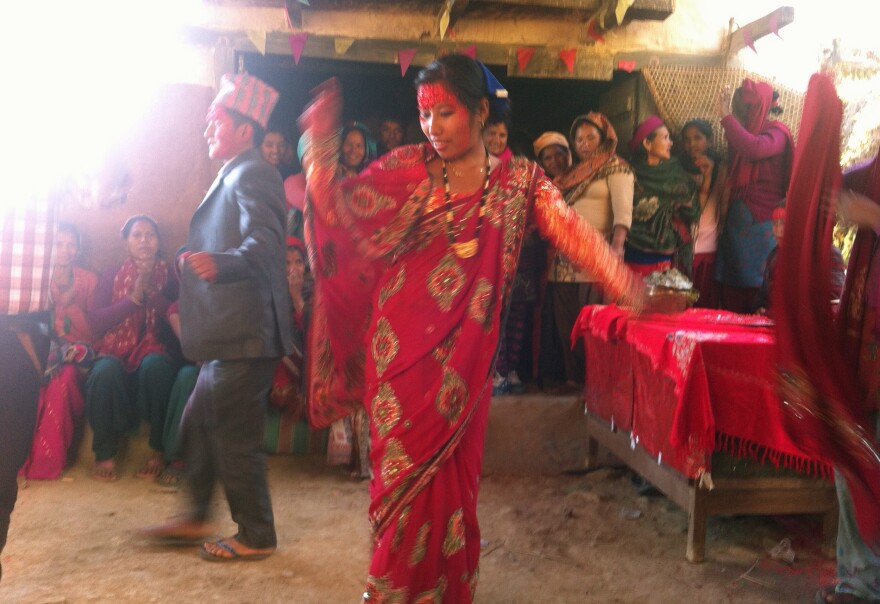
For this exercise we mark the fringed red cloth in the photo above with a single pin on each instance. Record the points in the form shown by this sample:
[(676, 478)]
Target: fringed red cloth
[(818, 378), (688, 384)]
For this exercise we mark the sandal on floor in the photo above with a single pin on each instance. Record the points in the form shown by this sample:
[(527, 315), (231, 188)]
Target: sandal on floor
[(170, 476), (104, 473), (830, 595), (151, 469), (233, 556)]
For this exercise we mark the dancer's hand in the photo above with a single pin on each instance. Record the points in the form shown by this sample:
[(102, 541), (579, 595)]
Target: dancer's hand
[(321, 117), (202, 265), (858, 209)]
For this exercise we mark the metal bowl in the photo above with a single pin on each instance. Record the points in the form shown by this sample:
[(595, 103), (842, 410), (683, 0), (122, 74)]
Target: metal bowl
[(669, 300)]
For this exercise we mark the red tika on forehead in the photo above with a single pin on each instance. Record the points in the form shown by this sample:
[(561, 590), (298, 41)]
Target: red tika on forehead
[(432, 94)]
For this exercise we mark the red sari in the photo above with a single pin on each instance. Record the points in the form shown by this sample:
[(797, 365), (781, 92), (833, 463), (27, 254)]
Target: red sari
[(409, 330), (61, 403)]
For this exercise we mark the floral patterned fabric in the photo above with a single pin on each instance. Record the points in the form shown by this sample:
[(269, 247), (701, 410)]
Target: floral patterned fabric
[(137, 334), (408, 329)]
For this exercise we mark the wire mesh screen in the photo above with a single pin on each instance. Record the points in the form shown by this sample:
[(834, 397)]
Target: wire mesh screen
[(683, 93)]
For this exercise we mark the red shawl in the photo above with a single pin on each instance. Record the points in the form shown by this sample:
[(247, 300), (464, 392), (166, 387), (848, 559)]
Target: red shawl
[(137, 335), (818, 383)]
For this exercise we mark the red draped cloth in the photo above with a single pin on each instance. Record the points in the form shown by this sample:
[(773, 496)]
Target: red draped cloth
[(687, 384), (408, 329), (818, 371)]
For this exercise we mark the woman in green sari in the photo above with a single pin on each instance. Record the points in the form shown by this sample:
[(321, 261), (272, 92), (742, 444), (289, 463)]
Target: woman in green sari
[(666, 203)]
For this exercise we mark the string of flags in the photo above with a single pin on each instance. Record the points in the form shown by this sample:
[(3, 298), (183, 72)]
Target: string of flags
[(405, 56)]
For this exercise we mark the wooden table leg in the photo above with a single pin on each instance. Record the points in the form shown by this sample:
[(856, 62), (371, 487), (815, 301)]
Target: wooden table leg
[(697, 507), (592, 452), (829, 533)]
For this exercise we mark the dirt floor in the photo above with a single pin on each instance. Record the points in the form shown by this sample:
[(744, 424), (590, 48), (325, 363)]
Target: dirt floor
[(569, 538)]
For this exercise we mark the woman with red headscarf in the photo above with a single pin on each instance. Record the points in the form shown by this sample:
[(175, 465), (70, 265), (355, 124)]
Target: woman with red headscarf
[(414, 263), (760, 156)]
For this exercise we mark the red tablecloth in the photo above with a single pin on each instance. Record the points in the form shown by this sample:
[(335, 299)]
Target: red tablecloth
[(687, 384)]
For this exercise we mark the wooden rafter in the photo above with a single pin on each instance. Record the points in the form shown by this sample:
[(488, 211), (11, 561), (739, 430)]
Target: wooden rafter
[(768, 24)]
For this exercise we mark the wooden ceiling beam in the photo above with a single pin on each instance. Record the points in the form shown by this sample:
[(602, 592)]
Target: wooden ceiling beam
[(649, 10), (766, 25)]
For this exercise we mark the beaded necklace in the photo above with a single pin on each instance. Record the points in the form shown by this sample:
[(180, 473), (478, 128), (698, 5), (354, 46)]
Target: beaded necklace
[(464, 249)]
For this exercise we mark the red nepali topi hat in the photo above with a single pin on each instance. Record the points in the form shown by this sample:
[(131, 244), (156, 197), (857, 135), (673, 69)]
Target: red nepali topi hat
[(248, 96)]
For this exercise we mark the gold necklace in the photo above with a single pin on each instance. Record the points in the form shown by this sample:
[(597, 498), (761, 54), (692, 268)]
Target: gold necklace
[(464, 249), (460, 173)]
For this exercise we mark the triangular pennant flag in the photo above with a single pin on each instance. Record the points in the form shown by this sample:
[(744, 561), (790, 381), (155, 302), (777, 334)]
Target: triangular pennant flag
[(774, 24), (297, 42), (470, 51), (258, 39), (444, 23), (627, 66), (593, 31), (620, 10), (568, 56), (405, 57), (341, 45), (523, 56), (749, 41)]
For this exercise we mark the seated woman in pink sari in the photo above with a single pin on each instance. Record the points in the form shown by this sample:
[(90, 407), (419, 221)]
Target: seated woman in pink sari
[(61, 403), (414, 260)]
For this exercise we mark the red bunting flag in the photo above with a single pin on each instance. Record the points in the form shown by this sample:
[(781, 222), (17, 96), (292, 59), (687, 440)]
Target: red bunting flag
[(750, 42), (297, 42), (594, 32), (523, 56), (568, 56), (470, 51), (627, 66), (405, 57), (774, 24)]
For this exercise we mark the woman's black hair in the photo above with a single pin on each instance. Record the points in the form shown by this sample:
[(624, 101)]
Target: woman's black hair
[(701, 125), (687, 161), (275, 129), (774, 108), (67, 227), (498, 119), (465, 78), (640, 151), (126, 228)]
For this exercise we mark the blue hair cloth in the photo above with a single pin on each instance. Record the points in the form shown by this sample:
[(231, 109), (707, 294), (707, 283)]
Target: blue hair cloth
[(498, 95)]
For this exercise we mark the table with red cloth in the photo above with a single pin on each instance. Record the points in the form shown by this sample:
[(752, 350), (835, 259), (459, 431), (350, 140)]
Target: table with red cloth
[(666, 391)]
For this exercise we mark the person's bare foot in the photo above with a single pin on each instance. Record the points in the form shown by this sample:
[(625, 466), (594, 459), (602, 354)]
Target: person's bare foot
[(179, 531), (231, 549), (105, 471), (152, 467)]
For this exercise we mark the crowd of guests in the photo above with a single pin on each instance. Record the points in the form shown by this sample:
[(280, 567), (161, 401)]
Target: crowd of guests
[(598, 215), (661, 200)]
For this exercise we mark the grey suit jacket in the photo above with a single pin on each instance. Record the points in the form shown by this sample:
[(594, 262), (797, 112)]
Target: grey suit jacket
[(246, 312)]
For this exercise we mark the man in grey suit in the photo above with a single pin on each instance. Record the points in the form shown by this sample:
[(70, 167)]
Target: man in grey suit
[(235, 319)]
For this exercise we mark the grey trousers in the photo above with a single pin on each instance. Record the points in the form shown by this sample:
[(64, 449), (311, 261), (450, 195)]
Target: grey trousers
[(222, 432)]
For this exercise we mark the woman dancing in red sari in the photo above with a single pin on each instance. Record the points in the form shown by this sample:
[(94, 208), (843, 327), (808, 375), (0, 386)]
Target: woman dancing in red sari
[(414, 259)]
